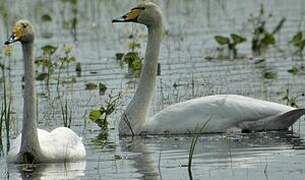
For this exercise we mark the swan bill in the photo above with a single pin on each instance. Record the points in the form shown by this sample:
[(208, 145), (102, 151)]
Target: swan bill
[(11, 39), (131, 16)]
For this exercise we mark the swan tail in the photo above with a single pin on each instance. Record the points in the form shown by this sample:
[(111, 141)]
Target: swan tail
[(278, 122)]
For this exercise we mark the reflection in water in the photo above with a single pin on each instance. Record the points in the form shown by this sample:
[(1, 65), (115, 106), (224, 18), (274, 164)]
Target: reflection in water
[(215, 156), (144, 162), (48, 171)]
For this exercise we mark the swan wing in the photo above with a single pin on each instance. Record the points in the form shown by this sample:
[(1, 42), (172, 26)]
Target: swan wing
[(221, 111), (61, 144)]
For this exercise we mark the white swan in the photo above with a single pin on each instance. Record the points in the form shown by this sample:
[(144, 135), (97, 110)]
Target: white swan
[(221, 111), (36, 145)]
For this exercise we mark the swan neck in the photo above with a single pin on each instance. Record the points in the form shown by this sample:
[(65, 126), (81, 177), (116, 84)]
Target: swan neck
[(29, 142), (138, 109)]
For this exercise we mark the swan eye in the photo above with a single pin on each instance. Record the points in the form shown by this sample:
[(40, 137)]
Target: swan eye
[(24, 25)]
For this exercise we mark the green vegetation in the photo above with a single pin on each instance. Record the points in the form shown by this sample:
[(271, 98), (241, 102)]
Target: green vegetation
[(262, 37), (193, 145), (132, 57), (268, 74), (5, 115), (290, 100), (298, 42), (231, 43), (71, 22), (100, 115)]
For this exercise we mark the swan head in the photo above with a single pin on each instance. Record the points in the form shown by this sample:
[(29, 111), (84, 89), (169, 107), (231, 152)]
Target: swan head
[(146, 13), (22, 31)]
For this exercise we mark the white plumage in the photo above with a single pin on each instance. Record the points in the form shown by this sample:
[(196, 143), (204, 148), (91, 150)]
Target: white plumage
[(222, 112), (36, 145)]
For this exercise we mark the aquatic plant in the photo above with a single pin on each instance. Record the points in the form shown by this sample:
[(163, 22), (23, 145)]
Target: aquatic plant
[(5, 15), (298, 42), (66, 112), (100, 115), (71, 23), (290, 100), (46, 20), (263, 38), (268, 74), (193, 145), (294, 70), (6, 104), (231, 43), (46, 62), (132, 57), (64, 62)]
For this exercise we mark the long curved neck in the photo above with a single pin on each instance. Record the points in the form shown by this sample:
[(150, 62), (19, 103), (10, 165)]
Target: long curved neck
[(29, 142), (138, 109)]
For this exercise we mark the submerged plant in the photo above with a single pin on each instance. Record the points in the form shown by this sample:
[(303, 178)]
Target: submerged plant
[(231, 43), (100, 115), (262, 37), (72, 22)]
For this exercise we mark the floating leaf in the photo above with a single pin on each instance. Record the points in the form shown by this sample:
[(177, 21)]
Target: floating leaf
[(48, 49), (294, 70), (46, 18), (91, 86), (119, 56), (42, 76), (269, 75), (117, 157), (237, 39), (222, 40)]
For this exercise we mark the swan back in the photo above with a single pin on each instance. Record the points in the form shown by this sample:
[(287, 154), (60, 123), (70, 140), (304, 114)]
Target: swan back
[(221, 111), (59, 145)]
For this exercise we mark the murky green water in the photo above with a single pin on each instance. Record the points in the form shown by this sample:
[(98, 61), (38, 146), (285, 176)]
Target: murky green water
[(185, 74)]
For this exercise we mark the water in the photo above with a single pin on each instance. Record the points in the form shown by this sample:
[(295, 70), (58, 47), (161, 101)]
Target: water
[(191, 26)]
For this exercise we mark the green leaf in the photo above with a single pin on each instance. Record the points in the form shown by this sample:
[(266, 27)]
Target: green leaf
[(91, 86), (300, 44), (46, 18), (268, 39), (296, 38), (222, 40), (237, 39), (293, 70), (102, 88), (42, 76), (48, 49), (95, 115), (269, 75), (119, 56)]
